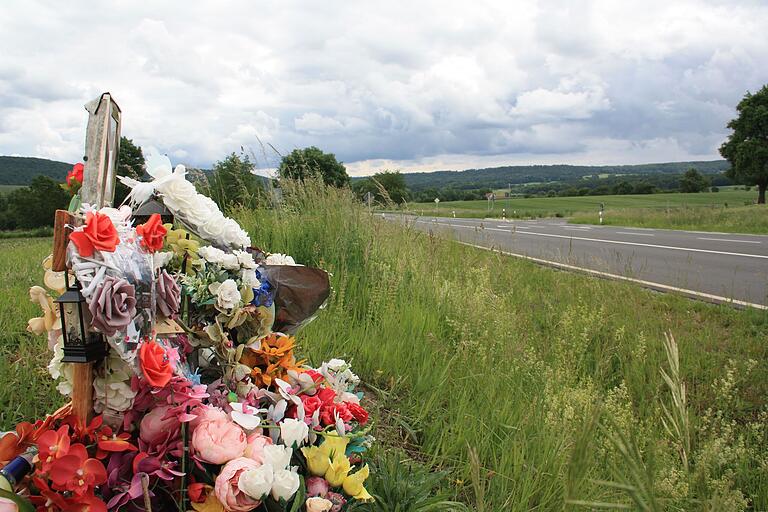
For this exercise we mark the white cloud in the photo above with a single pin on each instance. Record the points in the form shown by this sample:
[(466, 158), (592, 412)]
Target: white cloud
[(421, 85)]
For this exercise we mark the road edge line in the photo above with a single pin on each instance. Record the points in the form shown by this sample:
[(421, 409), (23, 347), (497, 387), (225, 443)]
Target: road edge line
[(706, 297)]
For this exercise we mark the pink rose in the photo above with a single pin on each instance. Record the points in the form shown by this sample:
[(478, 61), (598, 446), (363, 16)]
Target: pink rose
[(317, 486), (219, 441), (205, 414), (226, 488), (255, 448), (154, 430)]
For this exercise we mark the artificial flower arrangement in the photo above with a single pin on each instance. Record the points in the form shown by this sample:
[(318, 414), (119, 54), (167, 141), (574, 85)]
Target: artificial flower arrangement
[(201, 403)]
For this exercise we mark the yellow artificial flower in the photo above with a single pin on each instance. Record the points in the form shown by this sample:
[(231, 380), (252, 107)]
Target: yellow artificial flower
[(317, 460), (353, 484), (211, 503), (333, 445), (338, 470)]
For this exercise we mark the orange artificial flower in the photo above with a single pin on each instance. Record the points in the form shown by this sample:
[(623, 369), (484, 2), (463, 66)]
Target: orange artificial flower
[(152, 233), (98, 234), (155, 364)]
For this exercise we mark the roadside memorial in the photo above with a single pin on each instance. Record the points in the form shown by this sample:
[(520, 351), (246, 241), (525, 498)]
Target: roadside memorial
[(175, 339)]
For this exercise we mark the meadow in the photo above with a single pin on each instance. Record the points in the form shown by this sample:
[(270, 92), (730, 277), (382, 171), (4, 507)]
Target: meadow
[(566, 206), (532, 389), (745, 219)]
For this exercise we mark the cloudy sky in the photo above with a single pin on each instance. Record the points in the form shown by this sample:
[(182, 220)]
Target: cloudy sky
[(417, 85)]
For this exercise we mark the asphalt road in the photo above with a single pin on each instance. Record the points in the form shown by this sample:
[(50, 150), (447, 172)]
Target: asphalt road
[(711, 266)]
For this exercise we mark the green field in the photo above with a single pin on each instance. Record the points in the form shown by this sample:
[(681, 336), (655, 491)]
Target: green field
[(7, 189), (536, 389), (744, 219), (566, 206)]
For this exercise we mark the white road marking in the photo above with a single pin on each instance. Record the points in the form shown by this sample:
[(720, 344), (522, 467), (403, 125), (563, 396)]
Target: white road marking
[(634, 234), (670, 247), (727, 240), (576, 228), (640, 229), (649, 284), (497, 229), (522, 227)]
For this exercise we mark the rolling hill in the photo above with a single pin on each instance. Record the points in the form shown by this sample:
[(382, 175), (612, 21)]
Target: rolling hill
[(502, 177), (19, 170)]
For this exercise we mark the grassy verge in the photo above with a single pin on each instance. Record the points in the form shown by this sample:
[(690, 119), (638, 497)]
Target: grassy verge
[(745, 219), (26, 390), (532, 386), (566, 206)]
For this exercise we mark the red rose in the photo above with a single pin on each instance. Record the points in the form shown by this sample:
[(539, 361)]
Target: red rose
[(360, 414), (152, 233), (326, 395), (98, 234), (155, 364), (75, 176), (329, 411), (311, 404)]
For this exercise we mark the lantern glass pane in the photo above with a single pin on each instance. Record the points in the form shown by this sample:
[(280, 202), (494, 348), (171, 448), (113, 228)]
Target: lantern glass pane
[(75, 336)]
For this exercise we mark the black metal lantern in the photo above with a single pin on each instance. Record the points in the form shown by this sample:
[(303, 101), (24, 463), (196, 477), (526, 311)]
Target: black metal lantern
[(149, 208), (81, 344)]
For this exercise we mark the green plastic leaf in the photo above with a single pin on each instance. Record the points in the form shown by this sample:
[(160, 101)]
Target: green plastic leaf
[(298, 499), (23, 504)]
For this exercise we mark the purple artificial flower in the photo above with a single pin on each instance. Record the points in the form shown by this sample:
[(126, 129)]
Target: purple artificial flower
[(112, 305)]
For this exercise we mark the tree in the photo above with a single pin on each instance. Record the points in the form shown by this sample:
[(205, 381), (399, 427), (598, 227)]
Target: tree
[(622, 188), (130, 162), (747, 147), (391, 181), (233, 182), (36, 205), (693, 181), (303, 163)]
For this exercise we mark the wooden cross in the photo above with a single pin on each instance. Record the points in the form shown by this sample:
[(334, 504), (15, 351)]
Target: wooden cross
[(102, 143)]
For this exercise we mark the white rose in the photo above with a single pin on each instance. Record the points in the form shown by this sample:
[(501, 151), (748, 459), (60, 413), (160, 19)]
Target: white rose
[(211, 254), (245, 259), (256, 483), (229, 262), (248, 277), (213, 229), (280, 259), (318, 504), (178, 195), (201, 209), (227, 294), (161, 259), (285, 484), (293, 431), (233, 235), (277, 455)]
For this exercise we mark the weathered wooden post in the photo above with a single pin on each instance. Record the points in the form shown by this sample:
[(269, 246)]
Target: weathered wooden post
[(102, 142)]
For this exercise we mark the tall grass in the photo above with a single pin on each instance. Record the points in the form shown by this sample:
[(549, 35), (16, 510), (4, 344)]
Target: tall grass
[(519, 380), (534, 389)]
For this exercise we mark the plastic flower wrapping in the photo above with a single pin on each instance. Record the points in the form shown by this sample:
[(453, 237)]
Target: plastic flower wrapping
[(202, 402)]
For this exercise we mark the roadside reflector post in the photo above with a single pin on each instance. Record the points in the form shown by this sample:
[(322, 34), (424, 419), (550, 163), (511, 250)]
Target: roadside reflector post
[(454, 213), (504, 213)]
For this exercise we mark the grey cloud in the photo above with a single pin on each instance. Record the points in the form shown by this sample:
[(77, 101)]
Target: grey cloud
[(416, 84)]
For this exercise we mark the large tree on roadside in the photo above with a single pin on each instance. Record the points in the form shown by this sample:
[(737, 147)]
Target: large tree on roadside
[(130, 162), (311, 161), (747, 147), (233, 183), (392, 183)]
